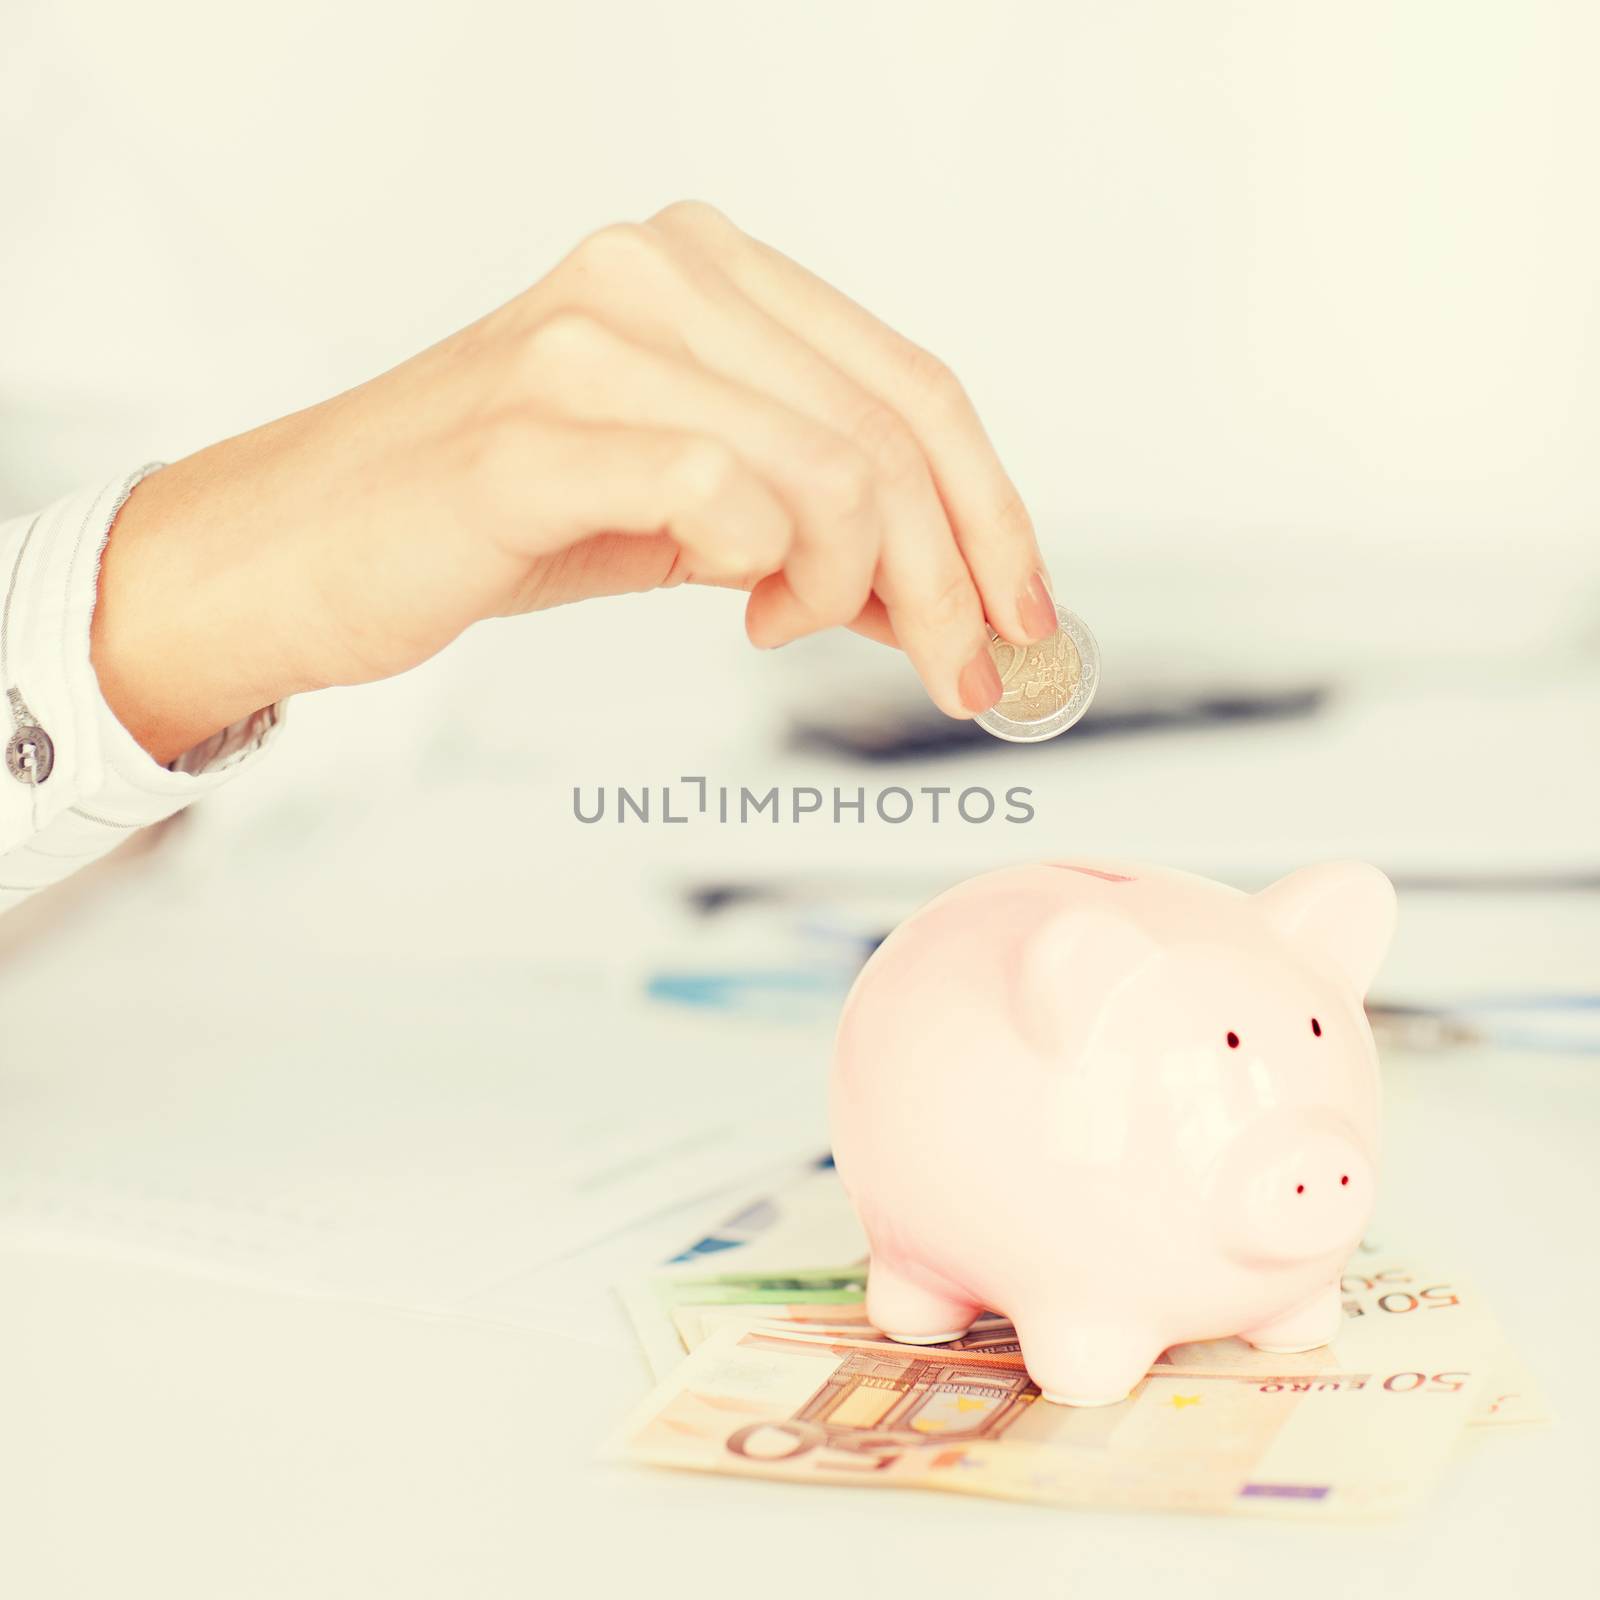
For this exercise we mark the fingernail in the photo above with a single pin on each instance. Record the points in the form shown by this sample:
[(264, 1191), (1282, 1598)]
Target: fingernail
[(1036, 609), (980, 682)]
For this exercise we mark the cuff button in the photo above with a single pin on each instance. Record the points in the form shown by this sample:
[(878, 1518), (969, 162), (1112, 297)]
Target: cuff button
[(30, 755)]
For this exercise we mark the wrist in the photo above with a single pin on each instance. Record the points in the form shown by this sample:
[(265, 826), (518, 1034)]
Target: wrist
[(178, 639)]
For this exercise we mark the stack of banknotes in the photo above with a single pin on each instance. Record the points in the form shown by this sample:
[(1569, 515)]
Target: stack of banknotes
[(766, 1367)]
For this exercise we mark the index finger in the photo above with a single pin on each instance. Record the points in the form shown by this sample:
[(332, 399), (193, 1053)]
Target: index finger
[(991, 524)]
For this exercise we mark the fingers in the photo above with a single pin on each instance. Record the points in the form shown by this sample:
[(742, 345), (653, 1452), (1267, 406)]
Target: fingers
[(578, 371), (990, 523), (940, 614), (921, 573), (729, 524), (873, 623), (921, 577)]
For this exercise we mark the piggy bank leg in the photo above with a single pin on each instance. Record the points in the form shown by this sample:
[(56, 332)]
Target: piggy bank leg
[(910, 1312), (1308, 1327), (1077, 1364)]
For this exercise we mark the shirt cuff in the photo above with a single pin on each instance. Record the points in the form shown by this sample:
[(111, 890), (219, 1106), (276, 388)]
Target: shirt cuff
[(76, 781)]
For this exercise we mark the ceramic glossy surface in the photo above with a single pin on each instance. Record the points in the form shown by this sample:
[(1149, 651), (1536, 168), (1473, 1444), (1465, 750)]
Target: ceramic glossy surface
[(1126, 1106)]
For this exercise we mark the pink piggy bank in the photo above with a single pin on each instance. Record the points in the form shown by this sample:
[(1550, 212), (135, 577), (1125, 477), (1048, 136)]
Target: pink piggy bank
[(1125, 1106)]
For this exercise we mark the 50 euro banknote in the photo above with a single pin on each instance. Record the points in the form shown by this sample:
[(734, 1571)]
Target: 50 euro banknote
[(797, 1388), (675, 1314)]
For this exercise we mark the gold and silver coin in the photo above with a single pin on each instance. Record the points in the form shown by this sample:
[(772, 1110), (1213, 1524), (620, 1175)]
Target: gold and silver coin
[(1045, 687)]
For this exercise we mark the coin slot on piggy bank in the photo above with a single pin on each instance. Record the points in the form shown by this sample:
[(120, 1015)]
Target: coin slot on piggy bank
[(1186, 1097)]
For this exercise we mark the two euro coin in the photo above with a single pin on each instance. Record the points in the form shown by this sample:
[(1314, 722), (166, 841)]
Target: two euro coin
[(1044, 687)]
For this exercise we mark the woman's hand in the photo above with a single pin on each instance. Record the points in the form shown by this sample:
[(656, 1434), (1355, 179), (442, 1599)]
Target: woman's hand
[(674, 403)]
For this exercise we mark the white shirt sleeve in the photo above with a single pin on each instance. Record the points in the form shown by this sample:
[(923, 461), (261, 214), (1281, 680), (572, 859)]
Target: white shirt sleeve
[(75, 783)]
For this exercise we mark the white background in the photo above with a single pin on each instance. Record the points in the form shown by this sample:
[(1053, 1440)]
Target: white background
[(1260, 283), (1285, 318)]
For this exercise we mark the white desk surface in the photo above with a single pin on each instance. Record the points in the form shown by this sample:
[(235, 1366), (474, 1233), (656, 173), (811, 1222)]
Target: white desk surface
[(170, 1436), (266, 983)]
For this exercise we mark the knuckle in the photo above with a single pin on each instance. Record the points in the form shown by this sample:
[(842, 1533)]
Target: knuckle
[(1011, 521), (566, 342), (619, 250), (702, 471), (842, 606), (833, 584), (931, 380), (889, 443), (822, 606), (954, 601), (627, 268), (842, 475), (829, 591), (698, 218)]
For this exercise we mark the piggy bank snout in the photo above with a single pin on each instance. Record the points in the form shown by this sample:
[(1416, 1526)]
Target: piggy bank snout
[(1293, 1191)]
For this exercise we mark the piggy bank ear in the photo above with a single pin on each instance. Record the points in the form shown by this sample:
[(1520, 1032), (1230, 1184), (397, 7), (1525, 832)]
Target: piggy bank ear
[(1066, 967), (1342, 911)]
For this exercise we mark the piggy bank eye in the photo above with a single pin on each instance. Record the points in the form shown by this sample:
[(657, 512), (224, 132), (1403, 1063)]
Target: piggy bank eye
[(1316, 1027), (1233, 1041)]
